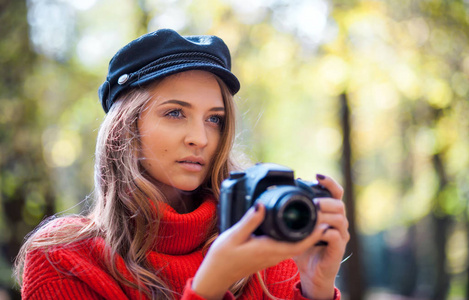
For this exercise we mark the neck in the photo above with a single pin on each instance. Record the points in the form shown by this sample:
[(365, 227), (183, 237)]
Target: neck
[(185, 203), (181, 201)]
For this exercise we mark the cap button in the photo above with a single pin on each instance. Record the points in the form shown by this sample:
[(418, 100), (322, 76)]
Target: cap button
[(123, 79)]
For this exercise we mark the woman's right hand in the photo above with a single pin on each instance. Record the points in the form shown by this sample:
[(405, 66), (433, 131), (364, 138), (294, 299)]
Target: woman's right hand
[(237, 253)]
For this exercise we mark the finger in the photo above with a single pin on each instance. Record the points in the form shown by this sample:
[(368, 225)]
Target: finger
[(335, 238), (330, 184), (317, 234), (329, 205), (244, 228), (281, 250), (335, 221)]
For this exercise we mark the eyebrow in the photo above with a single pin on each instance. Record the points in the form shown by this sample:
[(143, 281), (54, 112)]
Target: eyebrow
[(186, 104)]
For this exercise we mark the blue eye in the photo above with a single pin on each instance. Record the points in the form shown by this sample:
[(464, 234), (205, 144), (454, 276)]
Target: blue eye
[(216, 119), (176, 113)]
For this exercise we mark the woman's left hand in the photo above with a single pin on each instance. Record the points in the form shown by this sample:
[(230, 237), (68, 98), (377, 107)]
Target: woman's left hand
[(319, 265)]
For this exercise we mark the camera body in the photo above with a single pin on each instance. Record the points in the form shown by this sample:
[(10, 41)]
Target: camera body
[(290, 212)]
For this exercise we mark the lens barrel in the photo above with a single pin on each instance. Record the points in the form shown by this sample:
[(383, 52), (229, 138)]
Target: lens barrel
[(290, 214)]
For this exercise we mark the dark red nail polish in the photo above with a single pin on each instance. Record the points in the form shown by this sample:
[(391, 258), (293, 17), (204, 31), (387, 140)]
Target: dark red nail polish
[(256, 207), (320, 177)]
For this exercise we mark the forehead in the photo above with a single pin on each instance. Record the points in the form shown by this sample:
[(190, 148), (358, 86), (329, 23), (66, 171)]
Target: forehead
[(195, 87)]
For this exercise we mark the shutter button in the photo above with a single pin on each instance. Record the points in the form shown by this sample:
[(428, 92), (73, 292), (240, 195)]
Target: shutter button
[(123, 79)]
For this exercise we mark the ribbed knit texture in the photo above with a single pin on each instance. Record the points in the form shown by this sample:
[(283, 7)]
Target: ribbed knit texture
[(77, 271)]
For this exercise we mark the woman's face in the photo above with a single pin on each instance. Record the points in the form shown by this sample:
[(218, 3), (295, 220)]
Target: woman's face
[(180, 128)]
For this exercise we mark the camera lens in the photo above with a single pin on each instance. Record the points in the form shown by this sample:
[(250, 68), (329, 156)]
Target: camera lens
[(290, 213), (296, 215)]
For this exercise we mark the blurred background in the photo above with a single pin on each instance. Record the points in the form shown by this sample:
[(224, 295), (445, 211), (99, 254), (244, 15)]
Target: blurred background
[(373, 93)]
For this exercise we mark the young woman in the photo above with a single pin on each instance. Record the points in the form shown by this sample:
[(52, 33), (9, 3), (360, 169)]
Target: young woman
[(162, 152)]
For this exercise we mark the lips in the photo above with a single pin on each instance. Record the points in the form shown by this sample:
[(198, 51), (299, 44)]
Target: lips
[(192, 164), (192, 160)]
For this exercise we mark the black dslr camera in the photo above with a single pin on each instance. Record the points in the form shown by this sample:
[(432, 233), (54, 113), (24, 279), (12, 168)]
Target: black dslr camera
[(290, 212)]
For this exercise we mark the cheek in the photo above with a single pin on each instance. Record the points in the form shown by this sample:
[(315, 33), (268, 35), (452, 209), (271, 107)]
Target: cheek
[(152, 153)]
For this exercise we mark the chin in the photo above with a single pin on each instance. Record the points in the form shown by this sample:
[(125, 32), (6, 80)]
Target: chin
[(186, 188), (190, 186)]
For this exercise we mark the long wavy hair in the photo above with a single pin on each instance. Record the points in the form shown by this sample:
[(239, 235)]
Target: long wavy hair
[(123, 211)]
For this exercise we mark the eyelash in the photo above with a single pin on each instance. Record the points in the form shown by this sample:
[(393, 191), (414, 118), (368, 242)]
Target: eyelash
[(221, 118), (168, 114)]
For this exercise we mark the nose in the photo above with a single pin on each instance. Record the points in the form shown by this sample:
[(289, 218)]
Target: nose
[(196, 135)]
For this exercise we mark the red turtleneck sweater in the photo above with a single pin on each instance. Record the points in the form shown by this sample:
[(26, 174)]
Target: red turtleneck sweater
[(77, 271)]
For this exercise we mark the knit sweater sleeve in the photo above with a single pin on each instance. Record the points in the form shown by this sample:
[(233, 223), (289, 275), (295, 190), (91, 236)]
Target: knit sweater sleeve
[(62, 289), (283, 281), (189, 293), (66, 274), (298, 296)]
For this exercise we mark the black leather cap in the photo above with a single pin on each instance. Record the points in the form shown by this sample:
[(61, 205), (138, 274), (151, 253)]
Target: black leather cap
[(161, 53)]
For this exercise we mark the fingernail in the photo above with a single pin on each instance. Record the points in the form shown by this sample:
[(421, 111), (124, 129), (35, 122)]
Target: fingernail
[(324, 231), (324, 227), (316, 202), (320, 177), (256, 207)]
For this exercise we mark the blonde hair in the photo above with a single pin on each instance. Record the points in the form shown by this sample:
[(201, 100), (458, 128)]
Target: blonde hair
[(123, 213)]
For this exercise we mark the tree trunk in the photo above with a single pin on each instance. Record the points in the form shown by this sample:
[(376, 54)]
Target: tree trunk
[(466, 222), (22, 168), (441, 222), (353, 267)]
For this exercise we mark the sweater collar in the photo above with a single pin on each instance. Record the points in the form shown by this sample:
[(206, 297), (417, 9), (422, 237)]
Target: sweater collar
[(181, 234)]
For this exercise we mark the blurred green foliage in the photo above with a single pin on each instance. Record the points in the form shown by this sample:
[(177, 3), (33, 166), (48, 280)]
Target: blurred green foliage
[(404, 66)]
